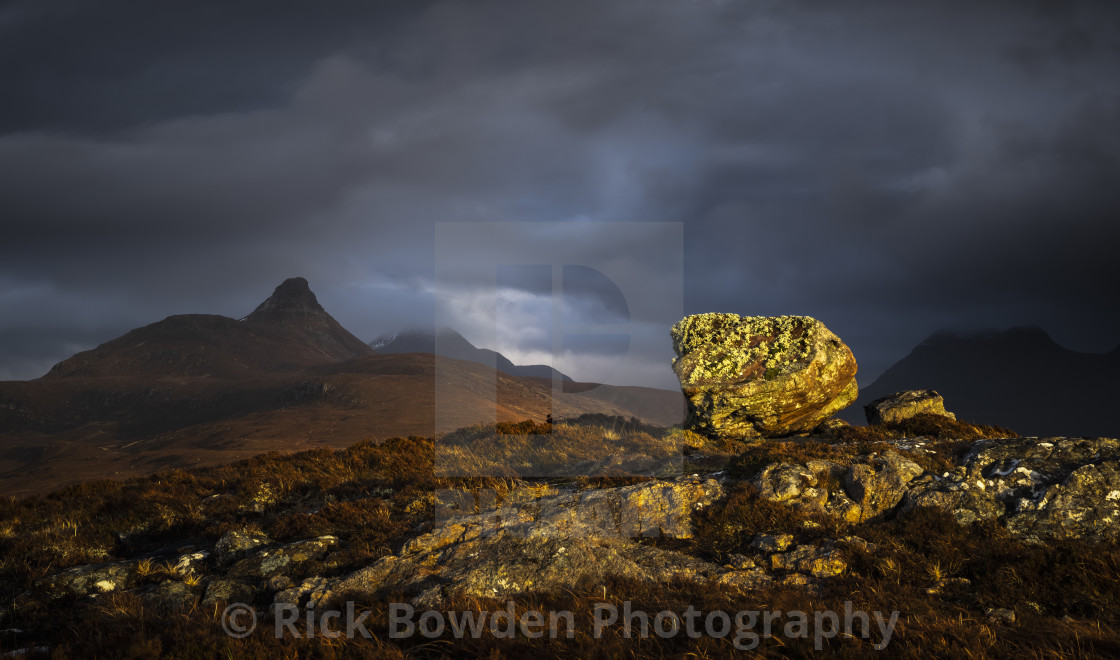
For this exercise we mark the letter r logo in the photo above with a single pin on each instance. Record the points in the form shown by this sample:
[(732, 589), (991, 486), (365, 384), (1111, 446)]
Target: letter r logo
[(571, 304)]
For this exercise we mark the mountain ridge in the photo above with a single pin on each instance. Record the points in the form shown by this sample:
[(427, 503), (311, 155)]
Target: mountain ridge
[(1018, 378), (447, 342), (202, 389)]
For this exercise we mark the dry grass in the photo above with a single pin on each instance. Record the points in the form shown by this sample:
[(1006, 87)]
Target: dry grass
[(373, 497), (925, 425)]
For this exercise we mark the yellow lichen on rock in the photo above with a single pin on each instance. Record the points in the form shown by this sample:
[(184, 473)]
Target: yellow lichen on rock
[(748, 345), (761, 376)]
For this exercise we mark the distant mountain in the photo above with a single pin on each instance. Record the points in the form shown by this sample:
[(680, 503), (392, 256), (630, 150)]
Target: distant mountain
[(1018, 378), (288, 331), (202, 389), (449, 343)]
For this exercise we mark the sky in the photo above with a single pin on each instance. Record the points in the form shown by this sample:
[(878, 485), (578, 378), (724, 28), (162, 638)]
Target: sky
[(891, 169)]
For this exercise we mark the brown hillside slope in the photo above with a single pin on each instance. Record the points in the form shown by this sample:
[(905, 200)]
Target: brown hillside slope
[(202, 389), (59, 431)]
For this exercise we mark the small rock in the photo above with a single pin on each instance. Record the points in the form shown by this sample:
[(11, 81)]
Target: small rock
[(904, 405), (780, 482), (805, 489), (192, 563), (1001, 615), (740, 562), (820, 562), (858, 543), (172, 595), (772, 542), (746, 580), (314, 589), (831, 427), (237, 542), (878, 485), (228, 591), (796, 581)]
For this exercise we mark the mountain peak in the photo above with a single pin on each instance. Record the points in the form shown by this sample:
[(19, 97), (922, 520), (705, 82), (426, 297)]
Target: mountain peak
[(288, 331), (293, 296)]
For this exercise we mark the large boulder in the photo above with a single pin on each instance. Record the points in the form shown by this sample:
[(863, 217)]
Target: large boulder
[(749, 377), (904, 405)]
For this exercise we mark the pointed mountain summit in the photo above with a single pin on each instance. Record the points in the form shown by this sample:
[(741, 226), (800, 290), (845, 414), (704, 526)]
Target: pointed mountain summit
[(294, 307), (290, 330), (292, 297)]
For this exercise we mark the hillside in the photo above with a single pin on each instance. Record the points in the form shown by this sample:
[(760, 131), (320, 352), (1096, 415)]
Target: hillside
[(1019, 378), (203, 390)]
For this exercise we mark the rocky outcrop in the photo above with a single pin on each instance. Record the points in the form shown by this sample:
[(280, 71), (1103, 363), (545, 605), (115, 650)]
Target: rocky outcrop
[(88, 580), (259, 565), (904, 405), (865, 489), (879, 483), (545, 539), (1039, 490), (546, 543), (749, 377)]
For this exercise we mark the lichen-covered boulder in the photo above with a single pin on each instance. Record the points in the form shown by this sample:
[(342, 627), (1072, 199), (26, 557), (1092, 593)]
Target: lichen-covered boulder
[(904, 405), (749, 377)]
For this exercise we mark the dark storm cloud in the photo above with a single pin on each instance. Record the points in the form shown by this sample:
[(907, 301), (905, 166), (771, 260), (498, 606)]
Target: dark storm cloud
[(889, 168), (114, 64)]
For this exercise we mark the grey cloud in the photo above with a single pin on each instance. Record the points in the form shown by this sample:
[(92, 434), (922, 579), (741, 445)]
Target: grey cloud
[(890, 169)]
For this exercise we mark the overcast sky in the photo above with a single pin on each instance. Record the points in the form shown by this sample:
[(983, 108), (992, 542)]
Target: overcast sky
[(889, 168)]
